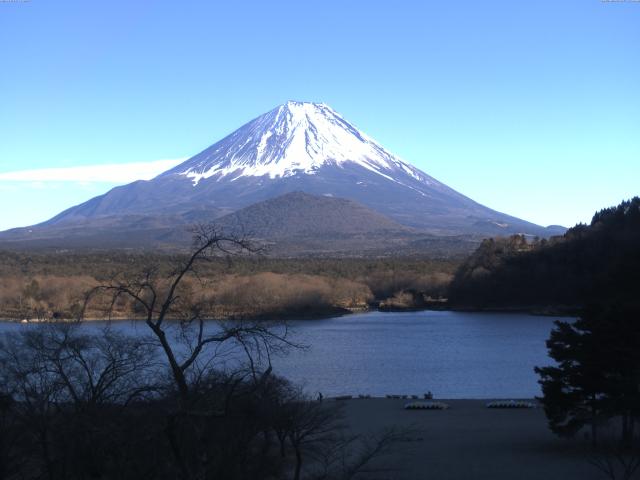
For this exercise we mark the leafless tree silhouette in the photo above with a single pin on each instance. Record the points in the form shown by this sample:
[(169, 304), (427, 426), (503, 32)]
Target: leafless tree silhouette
[(162, 298)]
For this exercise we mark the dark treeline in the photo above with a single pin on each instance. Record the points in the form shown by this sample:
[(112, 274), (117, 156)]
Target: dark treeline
[(596, 263), (104, 264), (593, 271)]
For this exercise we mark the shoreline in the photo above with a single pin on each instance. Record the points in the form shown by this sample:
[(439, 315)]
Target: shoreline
[(401, 398), (536, 310), (541, 311)]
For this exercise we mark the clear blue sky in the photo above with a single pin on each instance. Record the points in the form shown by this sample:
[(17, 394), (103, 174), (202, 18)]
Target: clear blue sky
[(530, 107)]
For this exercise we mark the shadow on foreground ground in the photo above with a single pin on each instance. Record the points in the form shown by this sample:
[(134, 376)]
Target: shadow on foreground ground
[(470, 441)]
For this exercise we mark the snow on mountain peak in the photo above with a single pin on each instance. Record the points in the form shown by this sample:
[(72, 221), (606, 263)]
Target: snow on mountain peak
[(294, 138)]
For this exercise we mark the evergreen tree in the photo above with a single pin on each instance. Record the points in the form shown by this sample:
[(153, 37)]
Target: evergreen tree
[(597, 376)]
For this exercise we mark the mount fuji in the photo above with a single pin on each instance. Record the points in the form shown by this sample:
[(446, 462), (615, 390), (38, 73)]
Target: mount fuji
[(296, 147)]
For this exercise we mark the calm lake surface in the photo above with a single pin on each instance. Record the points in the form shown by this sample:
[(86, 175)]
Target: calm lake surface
[(452, 354)]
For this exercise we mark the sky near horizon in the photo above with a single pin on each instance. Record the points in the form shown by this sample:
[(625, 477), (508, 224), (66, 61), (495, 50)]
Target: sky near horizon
[(530, 108)]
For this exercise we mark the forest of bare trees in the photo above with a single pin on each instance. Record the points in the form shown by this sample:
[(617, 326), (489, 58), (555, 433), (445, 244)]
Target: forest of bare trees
[(53, 285), (79, 405)]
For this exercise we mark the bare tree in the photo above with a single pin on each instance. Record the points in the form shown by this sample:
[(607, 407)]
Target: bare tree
[(36, 393), (350, 457), (10, 437), (88, 369), (178, 321), (321, 445), (617, 460), (312, 426), (68, 389), (99, 406), (162, 298)]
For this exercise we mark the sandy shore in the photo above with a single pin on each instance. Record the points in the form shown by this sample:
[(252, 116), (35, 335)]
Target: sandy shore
[(470, 441)]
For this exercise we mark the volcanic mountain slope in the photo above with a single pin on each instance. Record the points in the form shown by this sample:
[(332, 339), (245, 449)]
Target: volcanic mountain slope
[(297, 147), (300, 215), (298, 223)]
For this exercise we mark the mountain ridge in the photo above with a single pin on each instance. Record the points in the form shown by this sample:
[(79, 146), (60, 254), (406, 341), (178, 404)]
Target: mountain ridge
[(295, 224), (297, 147)]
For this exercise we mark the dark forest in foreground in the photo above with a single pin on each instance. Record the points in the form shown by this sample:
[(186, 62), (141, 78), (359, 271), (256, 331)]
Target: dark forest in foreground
[(170, 405)]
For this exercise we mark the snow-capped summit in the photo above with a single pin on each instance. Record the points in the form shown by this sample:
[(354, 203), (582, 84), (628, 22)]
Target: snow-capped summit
[(294, 138), (296, 147)]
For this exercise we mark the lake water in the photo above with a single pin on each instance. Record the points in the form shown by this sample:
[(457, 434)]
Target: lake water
[(452, 354)]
